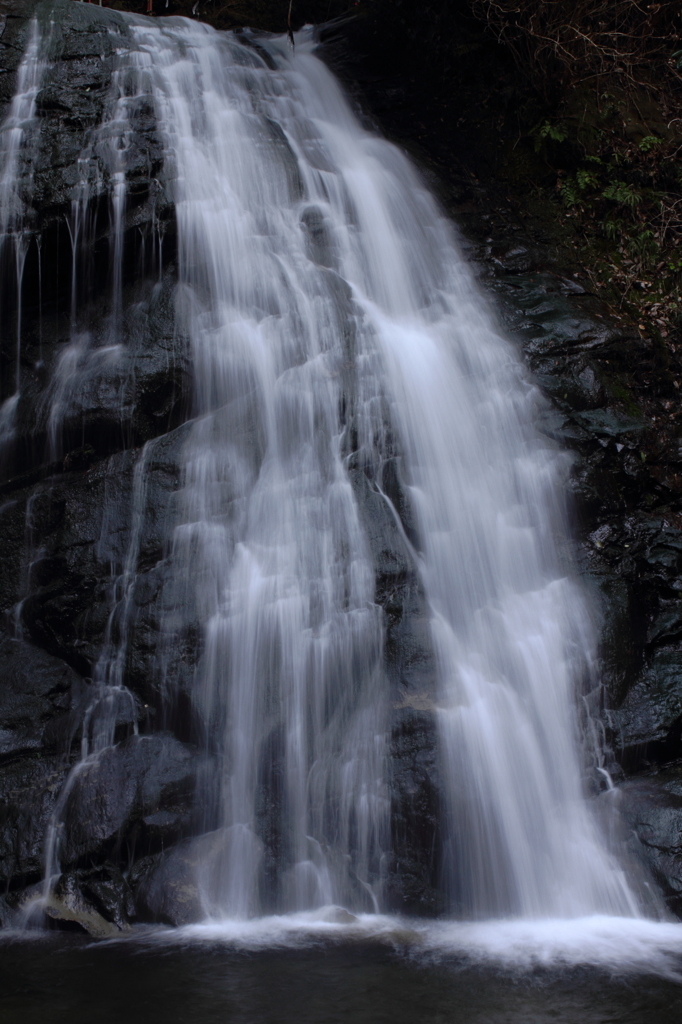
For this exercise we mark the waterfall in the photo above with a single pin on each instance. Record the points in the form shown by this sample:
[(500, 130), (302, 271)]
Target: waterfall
[(291, 689), (15, 145), (280, 198), (334, 328)]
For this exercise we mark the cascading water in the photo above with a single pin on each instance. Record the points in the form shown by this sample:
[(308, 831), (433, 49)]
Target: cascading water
[(15, 140), (291, 679), (279, 194), (333, 327)]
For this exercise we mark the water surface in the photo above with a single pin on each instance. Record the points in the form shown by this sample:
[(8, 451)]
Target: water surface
[(68, 979)]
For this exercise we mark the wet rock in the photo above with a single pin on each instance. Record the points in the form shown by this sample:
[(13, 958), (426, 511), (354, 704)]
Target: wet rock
[(174, 888), (336, 915), (652, 807), (108, 891), (15, 16), (29, 790), (636, 566), (122, 786), (389, 526), (90, 377), (393, 561), (84, 526), (92, 390), (104, 392), (42, 699), (512, 259), (652, 709), (71, 103), (413, 885), (317, 233), (166, 643), (608, 423), (98, 900)]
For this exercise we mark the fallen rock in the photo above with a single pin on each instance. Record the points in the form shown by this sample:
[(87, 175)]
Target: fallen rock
[(652, 807), (98, 900), (41, 699), (29, 790), (122, 786), (652, 709), (174, 887)]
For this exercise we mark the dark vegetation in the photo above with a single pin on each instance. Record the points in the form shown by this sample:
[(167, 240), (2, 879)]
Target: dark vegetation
[(574, 108), (608, 75)]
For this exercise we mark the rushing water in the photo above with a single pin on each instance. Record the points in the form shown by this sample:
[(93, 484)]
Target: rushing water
[(334, 327), (15, 138), (281, 197)]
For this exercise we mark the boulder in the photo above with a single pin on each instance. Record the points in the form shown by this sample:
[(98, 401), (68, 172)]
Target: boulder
[(652, 807), (174, 887), (42, 700), (652, 710), (127, 785), (98, 900), (29, 789)]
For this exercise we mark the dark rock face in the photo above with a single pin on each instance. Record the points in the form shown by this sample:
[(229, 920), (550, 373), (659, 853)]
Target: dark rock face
[(79, 389), (86, 509), (144, 783), (167, 886), (99, 900), (652, 807), (29, 790), (41, 700), (413, 884)]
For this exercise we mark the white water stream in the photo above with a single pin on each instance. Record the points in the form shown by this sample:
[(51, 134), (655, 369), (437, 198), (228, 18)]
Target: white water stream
[(278, 190), (334, 325)]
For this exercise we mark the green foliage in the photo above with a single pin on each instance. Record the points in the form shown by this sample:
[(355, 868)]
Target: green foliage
[(548, 131), (648, 143), (613, 228), (622, 193), (643, 244), (674, 266), (570, 192), (586, 179)]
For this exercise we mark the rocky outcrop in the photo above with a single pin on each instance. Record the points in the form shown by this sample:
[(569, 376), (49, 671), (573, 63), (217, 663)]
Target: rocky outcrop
[(171, 887), (98, 900), (84, 537), (652, 807), (139, 789)]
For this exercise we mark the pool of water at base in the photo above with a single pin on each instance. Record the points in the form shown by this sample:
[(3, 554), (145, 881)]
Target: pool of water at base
[(62, 978)]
